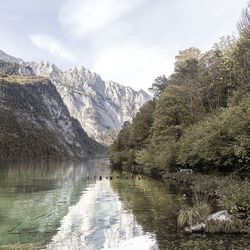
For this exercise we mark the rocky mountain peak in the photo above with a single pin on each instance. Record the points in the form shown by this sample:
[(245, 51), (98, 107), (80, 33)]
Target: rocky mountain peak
[(7, 58), (100, 106)]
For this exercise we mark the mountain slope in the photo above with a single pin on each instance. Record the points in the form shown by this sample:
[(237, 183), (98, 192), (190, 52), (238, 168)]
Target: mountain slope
[(7, 58), (35, 123), (100, 107)]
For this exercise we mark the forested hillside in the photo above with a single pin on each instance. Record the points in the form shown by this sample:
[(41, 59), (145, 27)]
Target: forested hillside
[(200, 115)]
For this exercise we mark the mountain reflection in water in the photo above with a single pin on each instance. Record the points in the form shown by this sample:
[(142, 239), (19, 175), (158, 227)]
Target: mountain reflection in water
[(67, 206)]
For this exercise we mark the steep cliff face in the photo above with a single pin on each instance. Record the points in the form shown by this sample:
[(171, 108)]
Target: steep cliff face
[(36, 124), (100, 107)]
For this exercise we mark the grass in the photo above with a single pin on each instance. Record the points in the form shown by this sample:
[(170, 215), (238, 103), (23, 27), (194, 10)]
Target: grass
[(190, 216), (18, 246), (224, 192), (228, 227), (22, 79)]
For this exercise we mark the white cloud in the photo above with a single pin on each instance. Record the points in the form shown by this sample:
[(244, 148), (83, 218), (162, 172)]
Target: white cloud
[(84, 17), (51, 45), (134, 64)]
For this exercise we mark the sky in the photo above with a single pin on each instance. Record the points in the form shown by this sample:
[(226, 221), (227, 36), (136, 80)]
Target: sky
[(127, 41)]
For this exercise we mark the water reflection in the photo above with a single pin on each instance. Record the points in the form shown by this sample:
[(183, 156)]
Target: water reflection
[(99, 221), (35, 197), (67, 206), (155, 205)]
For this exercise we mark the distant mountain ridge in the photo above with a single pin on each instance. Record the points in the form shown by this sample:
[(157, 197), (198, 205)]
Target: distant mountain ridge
[(100, 106), (5, 57)]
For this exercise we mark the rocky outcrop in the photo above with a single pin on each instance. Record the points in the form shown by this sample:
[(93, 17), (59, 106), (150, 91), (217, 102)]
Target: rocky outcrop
[(100, 107), (7, 58), (36, 124), (219, 217)]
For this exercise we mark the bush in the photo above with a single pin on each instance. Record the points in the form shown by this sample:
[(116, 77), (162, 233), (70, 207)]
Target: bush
[(229, 227), (220, 142), (234, 196), (190, 216)]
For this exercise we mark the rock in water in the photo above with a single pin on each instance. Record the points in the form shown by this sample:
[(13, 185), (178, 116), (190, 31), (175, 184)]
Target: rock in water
[(199, 228), (221, 216)]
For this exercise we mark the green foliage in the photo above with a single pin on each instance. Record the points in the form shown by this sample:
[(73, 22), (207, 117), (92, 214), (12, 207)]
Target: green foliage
[(204, 188), (228, 193), (200, 116), (144, 157), (244, 22), (235, 197), (171, 114), (228, 227), (133, 137), (158, 86), (190, 216), (140, 130), (219, 142)]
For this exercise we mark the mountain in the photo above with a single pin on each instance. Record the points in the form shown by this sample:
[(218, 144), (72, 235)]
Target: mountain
[(100, 106), (7, 58), (35, 123)]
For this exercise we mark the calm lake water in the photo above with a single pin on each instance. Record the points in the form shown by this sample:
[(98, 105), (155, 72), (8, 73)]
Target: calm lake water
[(62, 206)]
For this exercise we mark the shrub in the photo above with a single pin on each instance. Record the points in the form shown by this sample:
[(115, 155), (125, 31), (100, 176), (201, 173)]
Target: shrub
[(234, 196), (190, 216), (216, 226)]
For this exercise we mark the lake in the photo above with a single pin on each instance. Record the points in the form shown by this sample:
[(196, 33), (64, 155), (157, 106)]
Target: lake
[(68, 206)]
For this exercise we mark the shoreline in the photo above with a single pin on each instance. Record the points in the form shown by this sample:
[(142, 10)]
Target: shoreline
[(225, 193)]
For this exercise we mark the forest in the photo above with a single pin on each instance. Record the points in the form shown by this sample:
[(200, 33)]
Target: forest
[(198, 121), (199, 117)]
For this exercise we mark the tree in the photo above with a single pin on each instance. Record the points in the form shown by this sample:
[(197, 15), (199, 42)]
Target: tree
[(186, 55), (142, 125), (244, 23), (220, 142), (186, 74), (171, 113), (217, 75), (158, 86), (199, 117)]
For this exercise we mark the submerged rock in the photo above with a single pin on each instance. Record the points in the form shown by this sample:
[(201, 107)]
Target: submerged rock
[(199, 228), (220, 216)]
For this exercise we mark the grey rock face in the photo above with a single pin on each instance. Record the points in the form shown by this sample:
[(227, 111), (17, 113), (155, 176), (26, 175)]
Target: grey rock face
[(36, 124), (221, 216), (7, 58), (100, 107)]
